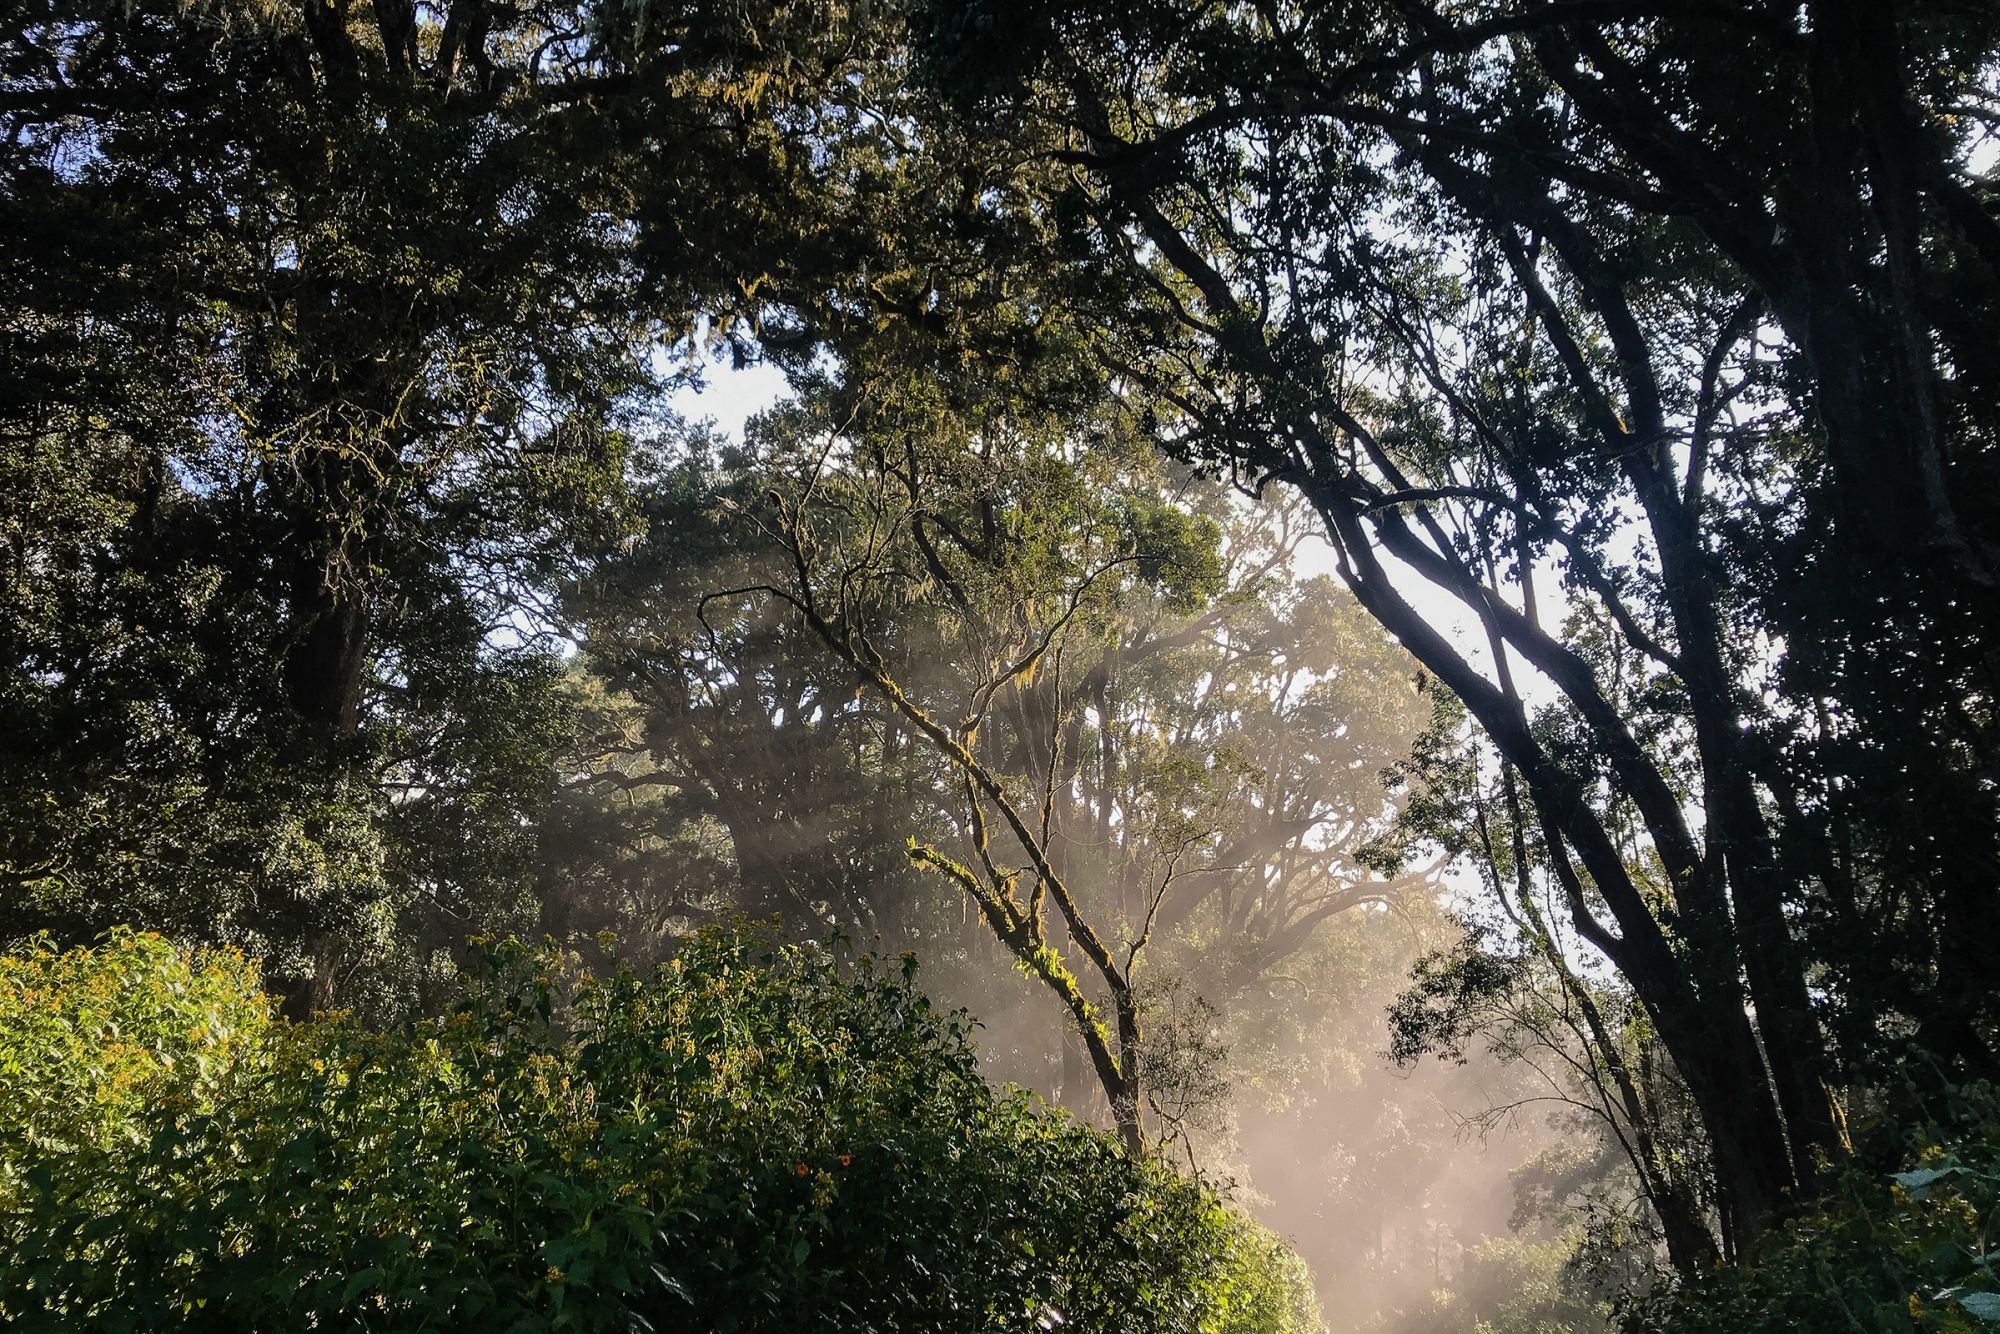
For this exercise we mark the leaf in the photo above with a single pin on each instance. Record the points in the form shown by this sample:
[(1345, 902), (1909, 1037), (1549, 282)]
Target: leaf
[(1919, 1182), (672, 1284), (1984, 1305)]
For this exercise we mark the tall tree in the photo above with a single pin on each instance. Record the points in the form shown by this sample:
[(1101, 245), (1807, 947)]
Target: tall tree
[(733, 718), (1519, 982), (1564, 312), (323, 326), (1127, 718)]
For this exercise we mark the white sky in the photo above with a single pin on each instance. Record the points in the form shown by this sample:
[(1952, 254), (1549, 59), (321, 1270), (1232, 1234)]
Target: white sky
[(730, 397)]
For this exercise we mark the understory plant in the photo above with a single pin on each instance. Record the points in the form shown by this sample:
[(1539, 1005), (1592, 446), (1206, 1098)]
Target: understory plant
[(1900, 1238), (753, 1137)]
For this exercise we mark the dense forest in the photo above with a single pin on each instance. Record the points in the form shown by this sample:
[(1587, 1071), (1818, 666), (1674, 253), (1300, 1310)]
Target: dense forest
[(1123, 665)]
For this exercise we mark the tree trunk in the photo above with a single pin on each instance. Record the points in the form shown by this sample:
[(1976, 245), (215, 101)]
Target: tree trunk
[(1695, 1005), (327, 664), (312, 994)]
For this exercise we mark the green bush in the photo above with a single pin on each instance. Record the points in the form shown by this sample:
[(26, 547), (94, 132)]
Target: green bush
[(89, 1037), (749, 1139), (1878, 1252)]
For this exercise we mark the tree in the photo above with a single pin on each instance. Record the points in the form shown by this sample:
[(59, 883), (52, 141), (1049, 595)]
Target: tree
[(733, 719), (1125, 691), (1532, 330), (325, 333), (1516, 982)]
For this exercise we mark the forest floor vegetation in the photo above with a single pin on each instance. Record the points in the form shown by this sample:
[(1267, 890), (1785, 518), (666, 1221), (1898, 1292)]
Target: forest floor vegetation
[(749, 1138)]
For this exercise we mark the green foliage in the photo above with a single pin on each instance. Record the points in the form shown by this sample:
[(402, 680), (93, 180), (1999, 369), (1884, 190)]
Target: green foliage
[(1877, 1251), (313, 390), (1508, 1285), (1530, 1288), (747, 1139), (95, 1036)]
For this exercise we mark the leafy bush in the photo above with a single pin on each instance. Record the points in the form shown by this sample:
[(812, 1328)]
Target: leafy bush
[(750, 1139), (90, 1036), (1878, 1251)]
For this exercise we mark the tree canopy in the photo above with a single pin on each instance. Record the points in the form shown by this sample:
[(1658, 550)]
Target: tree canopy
[(1254, 478)]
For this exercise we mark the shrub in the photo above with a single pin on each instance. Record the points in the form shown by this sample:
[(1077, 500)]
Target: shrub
[(92, 1035), (1877, 1251), (749, 1139)]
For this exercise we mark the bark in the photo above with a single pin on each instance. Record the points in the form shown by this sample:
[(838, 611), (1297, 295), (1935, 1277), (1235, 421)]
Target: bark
[(313, 993), (323, 673), (1859, 324), (1739, 846), (1705, 1029), (326, 666), (1691, 1248)]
